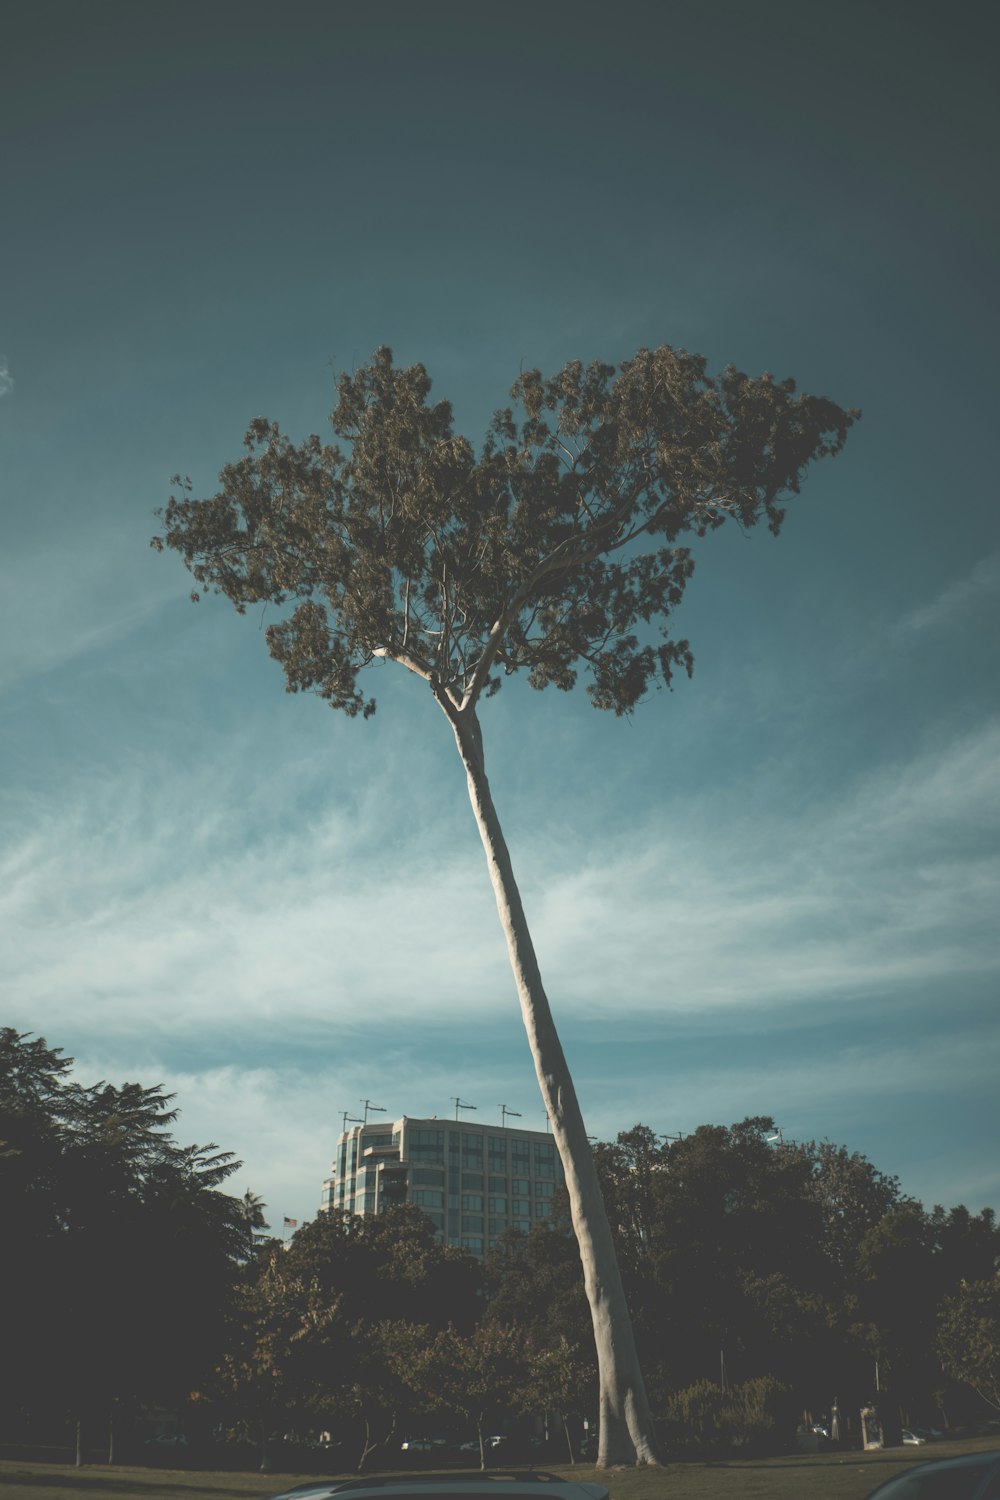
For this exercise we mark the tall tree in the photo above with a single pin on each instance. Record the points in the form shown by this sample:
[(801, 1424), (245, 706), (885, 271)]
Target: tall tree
[(557, 550)]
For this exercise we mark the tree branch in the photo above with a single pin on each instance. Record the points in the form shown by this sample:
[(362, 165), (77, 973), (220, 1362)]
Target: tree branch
[(406, 659), (558, 559)]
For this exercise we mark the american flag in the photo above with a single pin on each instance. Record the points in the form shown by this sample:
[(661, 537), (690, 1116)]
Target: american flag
[(291, 1223)]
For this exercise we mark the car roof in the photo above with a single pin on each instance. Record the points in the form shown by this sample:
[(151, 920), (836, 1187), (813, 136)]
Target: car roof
[(987, 1462), (495, 1483)]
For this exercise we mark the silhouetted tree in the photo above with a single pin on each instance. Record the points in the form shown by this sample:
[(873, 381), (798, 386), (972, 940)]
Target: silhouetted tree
[(121, 1248)]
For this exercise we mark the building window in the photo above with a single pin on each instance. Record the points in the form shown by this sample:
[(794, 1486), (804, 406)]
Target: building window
[(429, 1175), (544, 1189), (471, 1151), (498, 1184), (472, 1224), (498, 1205), (472, 1180), (520, 1206), (524, 1225), (425, 1145), (473, 1245), (473, 1201), (543, 1210), (427, 1198), (497, 1226), (426, 1154)]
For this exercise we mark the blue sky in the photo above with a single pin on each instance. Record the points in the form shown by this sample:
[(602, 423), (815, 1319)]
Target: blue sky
[(773, 891)]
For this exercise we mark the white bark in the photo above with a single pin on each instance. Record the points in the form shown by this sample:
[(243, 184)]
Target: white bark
[(626, 1426)]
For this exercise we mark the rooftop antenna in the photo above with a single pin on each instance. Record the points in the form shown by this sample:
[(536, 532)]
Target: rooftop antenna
[(344, 1117), (515, 1114), (459, 1105), (369, 1105)]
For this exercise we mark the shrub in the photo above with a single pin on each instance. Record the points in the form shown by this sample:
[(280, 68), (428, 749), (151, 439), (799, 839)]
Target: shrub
[(706, 1421)]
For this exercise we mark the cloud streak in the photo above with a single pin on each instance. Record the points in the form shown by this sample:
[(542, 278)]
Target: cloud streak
[(153, 910), (956, 599)]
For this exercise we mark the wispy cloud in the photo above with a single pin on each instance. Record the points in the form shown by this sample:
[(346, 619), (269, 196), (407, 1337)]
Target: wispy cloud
[(893, 883), (955, 599), (232, 921), (144, 899), (59, 606), (6, 378)]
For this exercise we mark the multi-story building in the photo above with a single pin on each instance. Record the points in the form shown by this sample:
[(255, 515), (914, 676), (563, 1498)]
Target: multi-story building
[(473, 1183)]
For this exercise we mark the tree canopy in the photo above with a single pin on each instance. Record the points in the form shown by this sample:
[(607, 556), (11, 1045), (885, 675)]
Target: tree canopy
[(557, 549)]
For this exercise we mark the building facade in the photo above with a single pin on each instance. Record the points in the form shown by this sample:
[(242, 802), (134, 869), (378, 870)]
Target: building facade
[(472, 1183)]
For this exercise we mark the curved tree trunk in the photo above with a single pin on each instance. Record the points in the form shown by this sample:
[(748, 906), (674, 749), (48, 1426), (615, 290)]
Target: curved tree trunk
[(626, 1425)]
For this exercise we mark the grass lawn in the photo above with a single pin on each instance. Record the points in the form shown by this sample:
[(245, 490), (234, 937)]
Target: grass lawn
[(827, 1476)]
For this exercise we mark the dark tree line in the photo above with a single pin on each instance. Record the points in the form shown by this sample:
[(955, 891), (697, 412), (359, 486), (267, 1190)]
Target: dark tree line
[(770, 1276)]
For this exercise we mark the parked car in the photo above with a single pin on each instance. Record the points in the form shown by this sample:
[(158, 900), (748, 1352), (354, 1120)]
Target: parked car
[(974, 1476), (910, 1436), (493, 1486), (422, 1444)]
